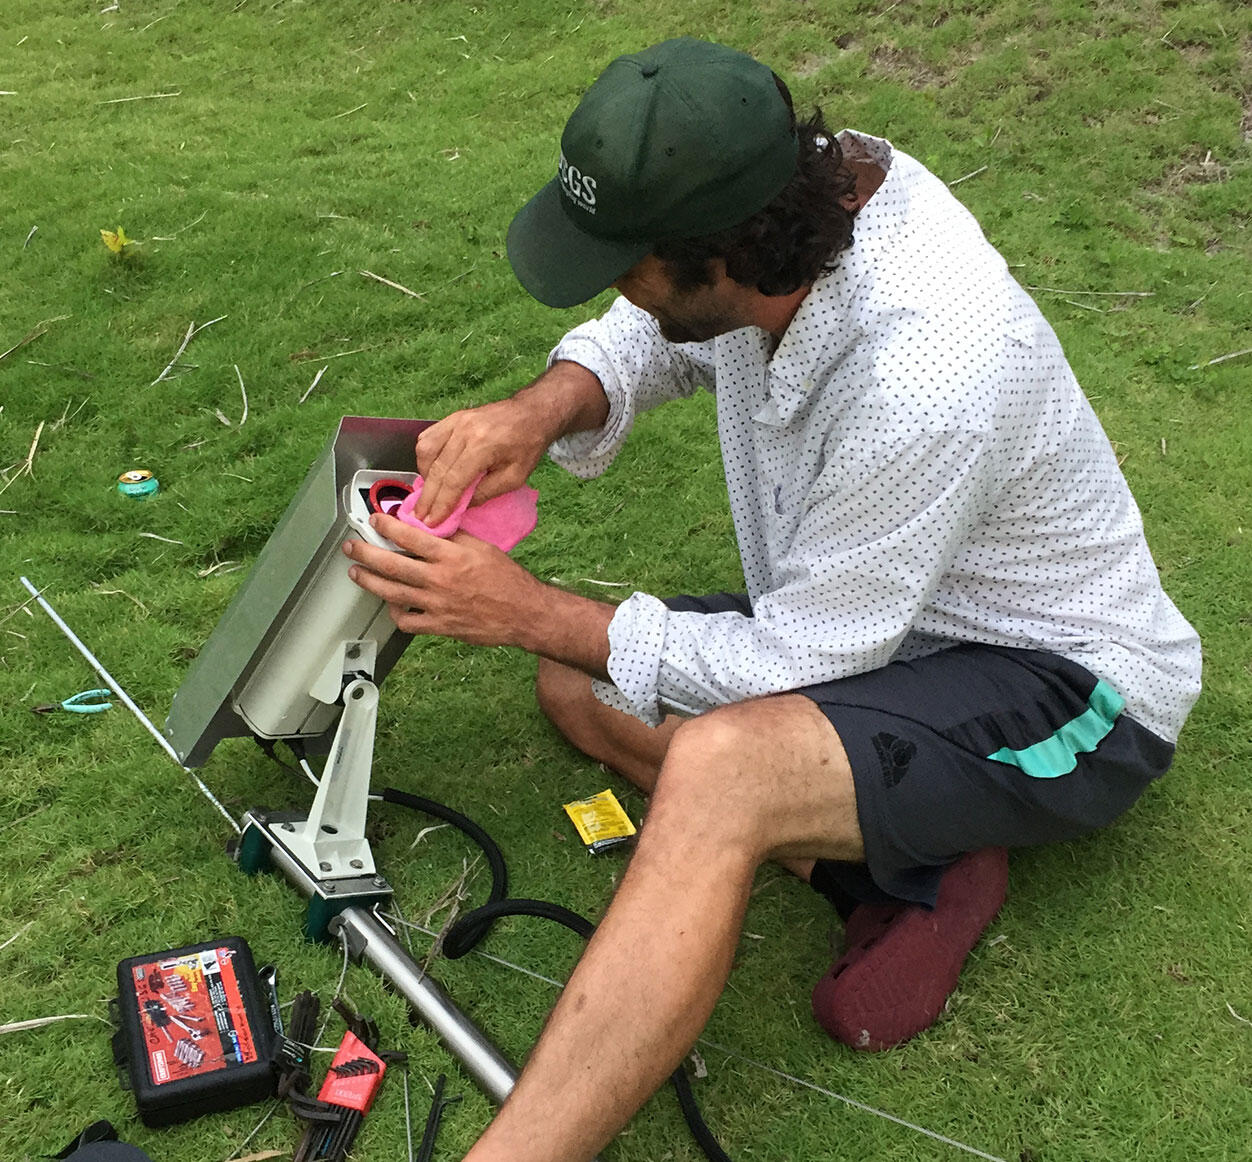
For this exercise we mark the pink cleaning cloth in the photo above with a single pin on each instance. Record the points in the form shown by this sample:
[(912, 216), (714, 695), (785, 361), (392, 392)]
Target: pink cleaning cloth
[(504, 521)]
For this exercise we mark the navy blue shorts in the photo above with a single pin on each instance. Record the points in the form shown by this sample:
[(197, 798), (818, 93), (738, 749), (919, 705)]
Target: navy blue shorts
[(974, 746)]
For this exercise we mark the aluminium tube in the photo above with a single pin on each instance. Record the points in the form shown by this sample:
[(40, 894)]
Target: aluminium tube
[(484, 1062)]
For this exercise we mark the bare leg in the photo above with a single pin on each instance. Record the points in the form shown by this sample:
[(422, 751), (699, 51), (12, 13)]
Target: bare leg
[(737, 786), (618, 740)]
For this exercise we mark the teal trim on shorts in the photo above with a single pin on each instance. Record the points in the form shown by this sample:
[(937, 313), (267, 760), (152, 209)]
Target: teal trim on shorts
[(1058, 754)]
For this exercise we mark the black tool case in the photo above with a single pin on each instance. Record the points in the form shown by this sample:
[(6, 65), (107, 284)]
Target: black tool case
[(195, 1030)]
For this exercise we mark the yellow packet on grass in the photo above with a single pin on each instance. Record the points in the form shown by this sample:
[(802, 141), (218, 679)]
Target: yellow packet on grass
[(601, 821)]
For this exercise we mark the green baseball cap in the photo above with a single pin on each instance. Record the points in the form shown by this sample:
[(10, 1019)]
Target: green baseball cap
[(681, 140)]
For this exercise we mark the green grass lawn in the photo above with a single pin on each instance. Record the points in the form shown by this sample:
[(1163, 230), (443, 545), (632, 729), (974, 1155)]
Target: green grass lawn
[(263, 154)]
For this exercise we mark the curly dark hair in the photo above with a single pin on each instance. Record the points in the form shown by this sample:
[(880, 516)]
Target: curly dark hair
[(790, 242)]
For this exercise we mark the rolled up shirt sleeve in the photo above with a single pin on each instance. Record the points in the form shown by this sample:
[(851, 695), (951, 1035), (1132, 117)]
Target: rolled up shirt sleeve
[(854, 580), (638, 369)]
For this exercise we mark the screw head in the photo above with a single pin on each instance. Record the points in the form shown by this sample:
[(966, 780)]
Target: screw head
[(355, 863), (324, 865)]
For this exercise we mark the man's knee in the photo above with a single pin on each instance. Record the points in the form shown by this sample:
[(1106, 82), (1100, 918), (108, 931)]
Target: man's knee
[(720, 761), (772, 770)]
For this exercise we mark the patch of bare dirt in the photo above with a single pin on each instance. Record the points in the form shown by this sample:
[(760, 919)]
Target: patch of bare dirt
[(907, 66), (1197, 167)]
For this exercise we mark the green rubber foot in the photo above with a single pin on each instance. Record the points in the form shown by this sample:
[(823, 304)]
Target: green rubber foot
[(254, 851)]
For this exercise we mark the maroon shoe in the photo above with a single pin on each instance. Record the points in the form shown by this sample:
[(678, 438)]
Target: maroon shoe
[(902, 961)]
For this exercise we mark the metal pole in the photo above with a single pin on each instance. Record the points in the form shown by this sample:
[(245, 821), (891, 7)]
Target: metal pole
[(129, 703), (484, 1062), (369, 938), (95, 664)]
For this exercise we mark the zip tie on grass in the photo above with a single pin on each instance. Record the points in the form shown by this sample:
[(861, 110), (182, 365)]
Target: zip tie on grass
[(126, 699), (40, 1022), (746, 1060)]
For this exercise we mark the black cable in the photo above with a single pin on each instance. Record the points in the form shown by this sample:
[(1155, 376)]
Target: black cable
[(467, 934), (695, 1120), (471, 928), (457, 940)]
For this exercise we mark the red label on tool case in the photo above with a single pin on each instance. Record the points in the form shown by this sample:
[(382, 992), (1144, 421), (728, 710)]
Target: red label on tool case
[(354, 1076), (192, 1014)]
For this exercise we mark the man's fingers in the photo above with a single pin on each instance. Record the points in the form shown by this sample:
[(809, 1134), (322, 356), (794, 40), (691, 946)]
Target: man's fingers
[(405, 569), (443, 486), (422, 545), (439, 451), (439, 497), (430, 442), (405, 595), (412, 621)]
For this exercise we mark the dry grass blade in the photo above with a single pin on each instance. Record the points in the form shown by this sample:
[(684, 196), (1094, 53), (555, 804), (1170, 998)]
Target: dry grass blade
[(1052, 290), (40, 329), (316, 380), (40, 1022), (27, 466), (1221, 359), (192, 332), (171, 237), (143, 97), (393, 285), (452, 899), (243, 419), (228, 566), (27, 927), (18, 608), (121, 593), (972, 174)]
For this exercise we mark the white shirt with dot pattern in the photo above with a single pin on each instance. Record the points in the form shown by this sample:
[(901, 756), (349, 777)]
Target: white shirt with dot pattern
[(914, 466)]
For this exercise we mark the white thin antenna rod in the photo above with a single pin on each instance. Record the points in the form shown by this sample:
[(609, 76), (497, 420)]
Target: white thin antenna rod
[(113, 685)]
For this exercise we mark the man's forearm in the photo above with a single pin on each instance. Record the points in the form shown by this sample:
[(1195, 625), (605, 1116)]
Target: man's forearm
[(567, 628), (566, 398)]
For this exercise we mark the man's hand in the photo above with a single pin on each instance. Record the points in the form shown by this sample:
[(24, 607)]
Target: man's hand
[(466, 589), (494, 441), (503, 442), (460, 588)]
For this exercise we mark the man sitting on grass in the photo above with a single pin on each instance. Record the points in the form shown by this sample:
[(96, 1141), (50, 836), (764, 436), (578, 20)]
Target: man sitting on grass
[(953, 638)]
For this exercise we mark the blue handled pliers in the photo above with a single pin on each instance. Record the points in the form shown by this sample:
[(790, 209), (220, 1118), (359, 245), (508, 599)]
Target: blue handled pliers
[(88, 702)]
